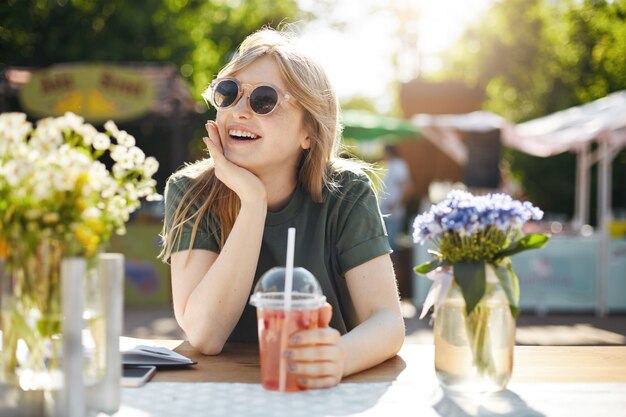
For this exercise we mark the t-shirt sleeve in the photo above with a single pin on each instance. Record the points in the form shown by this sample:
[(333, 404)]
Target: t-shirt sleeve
[(205, 238), (362, 235)]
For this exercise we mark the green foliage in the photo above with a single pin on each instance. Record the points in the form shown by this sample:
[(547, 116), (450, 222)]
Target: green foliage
[(44, 32), (532, 241), (510, 284), (535, 57), (359, 103), (473, 253), (427, 267), (199, 36), (481, 245), (471, 278), (548, 182)]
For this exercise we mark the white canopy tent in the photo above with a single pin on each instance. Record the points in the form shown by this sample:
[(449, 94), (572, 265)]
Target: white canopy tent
[(574, 130), (602, 121), (443, 130)]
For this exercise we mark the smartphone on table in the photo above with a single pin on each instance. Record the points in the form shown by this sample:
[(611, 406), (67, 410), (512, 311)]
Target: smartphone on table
[(137, 376)]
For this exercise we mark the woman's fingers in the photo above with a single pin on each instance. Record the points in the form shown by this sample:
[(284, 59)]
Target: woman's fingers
[(243, 182), (214, 145), (317, 357), (321, 336), (213, 141), (326, 313), (313, 353), (210, 146), (314, 369), (213, 132), (316, 383)]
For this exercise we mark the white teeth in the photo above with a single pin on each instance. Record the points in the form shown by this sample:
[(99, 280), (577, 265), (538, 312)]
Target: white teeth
[(242, 134)]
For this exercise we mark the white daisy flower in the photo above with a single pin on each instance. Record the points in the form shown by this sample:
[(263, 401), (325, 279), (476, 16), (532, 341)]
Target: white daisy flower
[(101, 142)]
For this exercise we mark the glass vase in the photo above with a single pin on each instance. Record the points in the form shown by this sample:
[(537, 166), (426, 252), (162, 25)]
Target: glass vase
[(31, 320), (474, 353)]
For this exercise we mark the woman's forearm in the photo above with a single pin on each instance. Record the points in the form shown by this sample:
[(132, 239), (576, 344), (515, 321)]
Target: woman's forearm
[(377, 339), (216, 303)]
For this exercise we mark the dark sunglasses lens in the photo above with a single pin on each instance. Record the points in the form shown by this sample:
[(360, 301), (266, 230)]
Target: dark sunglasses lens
[(263, 99), (225, 93)]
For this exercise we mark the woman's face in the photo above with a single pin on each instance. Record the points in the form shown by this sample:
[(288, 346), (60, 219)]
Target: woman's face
[(265, 145)]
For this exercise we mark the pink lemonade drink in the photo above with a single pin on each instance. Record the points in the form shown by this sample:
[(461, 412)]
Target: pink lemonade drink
[(278, 319), (272, 324)]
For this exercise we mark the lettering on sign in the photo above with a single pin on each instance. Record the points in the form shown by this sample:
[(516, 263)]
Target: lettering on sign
[(56, 82), (95, 92), (118, 84)]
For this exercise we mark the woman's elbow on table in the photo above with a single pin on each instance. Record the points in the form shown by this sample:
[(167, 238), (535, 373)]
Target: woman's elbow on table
[(206, 345), (204, 339), (392, 322), (399, 339), (396, 334)]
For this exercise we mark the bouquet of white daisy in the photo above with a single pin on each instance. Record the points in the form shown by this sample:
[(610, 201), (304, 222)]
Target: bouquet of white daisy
[(55, 185), (65, 188)]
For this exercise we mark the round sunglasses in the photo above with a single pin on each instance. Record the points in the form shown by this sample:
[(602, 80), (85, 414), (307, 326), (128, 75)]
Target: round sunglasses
[(263, 98)]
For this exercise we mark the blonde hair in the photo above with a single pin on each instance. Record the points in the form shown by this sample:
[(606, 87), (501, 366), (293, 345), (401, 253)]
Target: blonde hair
[(311, 88)]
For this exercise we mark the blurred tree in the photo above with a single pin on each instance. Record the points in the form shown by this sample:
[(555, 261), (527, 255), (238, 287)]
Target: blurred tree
[(359, 103), (535, 57), (199, 36)]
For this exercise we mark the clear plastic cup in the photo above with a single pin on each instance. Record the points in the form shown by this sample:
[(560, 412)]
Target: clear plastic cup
[(276, 324)]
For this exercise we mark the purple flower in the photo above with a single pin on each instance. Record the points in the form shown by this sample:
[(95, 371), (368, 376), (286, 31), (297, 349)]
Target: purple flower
[(465, 214)]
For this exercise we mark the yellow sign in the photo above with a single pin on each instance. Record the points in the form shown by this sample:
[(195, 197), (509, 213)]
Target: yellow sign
[(96, 92)]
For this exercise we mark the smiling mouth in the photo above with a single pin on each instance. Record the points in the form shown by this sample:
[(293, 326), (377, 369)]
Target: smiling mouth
[(242, 135)]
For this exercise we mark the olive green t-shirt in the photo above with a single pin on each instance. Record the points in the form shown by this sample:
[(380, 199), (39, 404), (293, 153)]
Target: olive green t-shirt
[(340, 233)]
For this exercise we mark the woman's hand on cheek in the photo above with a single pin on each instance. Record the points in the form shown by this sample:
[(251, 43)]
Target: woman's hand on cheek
[(244, 183), (317, 356)]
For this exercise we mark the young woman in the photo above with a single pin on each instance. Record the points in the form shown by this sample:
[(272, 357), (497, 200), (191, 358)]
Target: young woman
[(274, 165)]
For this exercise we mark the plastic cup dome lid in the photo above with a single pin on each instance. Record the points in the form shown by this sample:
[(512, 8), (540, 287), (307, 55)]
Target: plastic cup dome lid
[(269, 290)]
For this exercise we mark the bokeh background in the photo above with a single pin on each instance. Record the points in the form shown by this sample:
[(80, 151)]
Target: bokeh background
[(145, 64)]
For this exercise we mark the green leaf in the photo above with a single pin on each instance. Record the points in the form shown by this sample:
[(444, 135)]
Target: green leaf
[(434, 253), (470, 277), (510, 285), (427, 267), (531, 241)]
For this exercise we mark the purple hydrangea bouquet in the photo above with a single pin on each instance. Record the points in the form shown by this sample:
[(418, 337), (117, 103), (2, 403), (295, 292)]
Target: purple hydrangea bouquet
[(474, 238)]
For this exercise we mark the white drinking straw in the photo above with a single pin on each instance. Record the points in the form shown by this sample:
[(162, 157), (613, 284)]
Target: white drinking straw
[(291, 242)]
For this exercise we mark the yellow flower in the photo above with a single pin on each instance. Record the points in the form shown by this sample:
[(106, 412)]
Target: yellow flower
[(88, 239), (82, 179), (4, 249), (51, 217), (81, 204), (95, 224)]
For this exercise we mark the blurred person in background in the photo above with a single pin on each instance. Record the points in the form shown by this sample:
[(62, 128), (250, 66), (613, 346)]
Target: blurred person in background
[(396, 186)]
